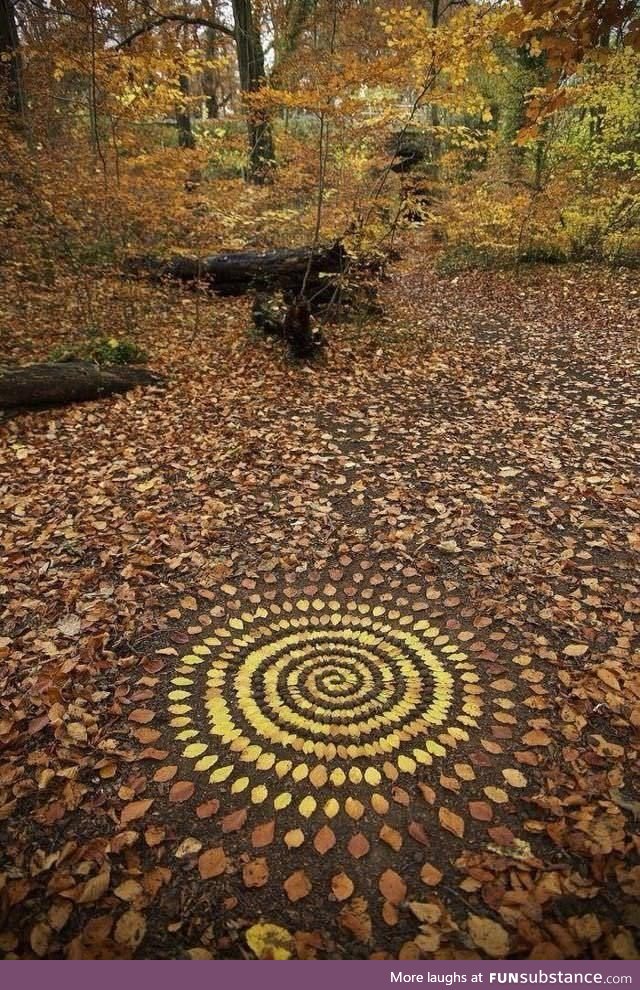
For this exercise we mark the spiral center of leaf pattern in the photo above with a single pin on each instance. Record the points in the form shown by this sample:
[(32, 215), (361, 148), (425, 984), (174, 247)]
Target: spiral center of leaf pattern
[(324, 695)]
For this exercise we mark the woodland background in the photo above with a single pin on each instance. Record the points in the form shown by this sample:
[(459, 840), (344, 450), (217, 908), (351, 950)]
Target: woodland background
[(511, 131)]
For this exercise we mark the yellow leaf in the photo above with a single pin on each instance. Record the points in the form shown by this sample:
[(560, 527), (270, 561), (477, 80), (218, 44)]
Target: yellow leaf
[(195, 749), (514, 777), (496, 794), (307, 806), (268, 941)]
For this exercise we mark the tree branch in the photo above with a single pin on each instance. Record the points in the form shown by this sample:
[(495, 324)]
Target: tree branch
[(176, 18)]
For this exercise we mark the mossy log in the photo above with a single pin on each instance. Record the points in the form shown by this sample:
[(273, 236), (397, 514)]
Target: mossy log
[(72, 381)]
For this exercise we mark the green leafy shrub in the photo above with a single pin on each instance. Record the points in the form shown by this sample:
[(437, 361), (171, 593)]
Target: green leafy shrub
[(101, 350)]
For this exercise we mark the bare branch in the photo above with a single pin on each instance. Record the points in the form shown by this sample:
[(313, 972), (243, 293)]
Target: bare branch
[(179, 19)]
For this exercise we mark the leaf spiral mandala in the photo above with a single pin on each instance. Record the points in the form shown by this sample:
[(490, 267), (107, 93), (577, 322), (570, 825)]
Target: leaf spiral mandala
[(294, 705)]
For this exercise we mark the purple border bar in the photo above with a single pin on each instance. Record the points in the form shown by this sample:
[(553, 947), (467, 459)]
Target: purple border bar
[(314, 975)]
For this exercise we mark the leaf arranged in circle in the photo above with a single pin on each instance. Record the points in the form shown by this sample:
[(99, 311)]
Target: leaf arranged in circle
[(255, 873), (358, 845), (262, 835), (392, 887), (182, 790), (342, 886), (297, 886), (212, 863), (324, 840), (451, 821)]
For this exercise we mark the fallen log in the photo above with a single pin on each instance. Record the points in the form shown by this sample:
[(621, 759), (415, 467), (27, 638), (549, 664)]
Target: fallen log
[(237, 272), (72, 381)]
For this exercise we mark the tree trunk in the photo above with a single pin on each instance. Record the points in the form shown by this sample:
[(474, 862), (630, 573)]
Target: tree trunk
[(209, 81), (238, 272), (186, 137), (252, 76), (10, 62), (72, 381)]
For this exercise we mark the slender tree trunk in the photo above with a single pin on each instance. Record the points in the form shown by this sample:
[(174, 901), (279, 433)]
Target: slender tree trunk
[(186, 137), (435, 109), (10, 62), (209, 82), (252, 75)]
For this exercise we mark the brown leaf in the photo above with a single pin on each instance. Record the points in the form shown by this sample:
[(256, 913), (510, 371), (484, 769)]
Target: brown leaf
[(427, 913), (501, 835), (262, 835), (208, 808), (130, 929), (481, 811), (163, 774), (212, 862), (358, 845), (536, 738), (515, 778), (489, 936), (418, 832), (294, 838), (142, 715), (134, 810), (234, 821), (427, 792), (390, 913), (575, 649), (94, 888), (297, 886), (392, 887), (430, 875), (182, 790), (154, 835), (341, 886), (452, 822), (354, 916), (255, 873), (324, 840)]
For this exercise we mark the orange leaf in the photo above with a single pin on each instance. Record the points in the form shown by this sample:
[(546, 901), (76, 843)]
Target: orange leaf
[(392, 887), (135, 809), (182, 790), (391, 837), (341, 886), (212, 863), (255, 873), (358, 845), (451, 822), (430, 875), (324, 840), (297, 886), (481, 811), (234, 821), (262, 835)]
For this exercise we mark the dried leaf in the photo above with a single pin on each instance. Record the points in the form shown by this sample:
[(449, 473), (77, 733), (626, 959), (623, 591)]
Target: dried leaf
[(255, 873), (212, 863), (489, 936), (392, 887), (452, 822), (297, 886), (182, 790), (342, 886)]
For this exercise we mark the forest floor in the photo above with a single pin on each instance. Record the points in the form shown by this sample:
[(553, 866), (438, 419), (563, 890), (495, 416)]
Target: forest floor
[(349, 650)]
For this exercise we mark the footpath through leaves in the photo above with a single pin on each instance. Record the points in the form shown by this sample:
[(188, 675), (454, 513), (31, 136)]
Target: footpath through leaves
[(332, 662)]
